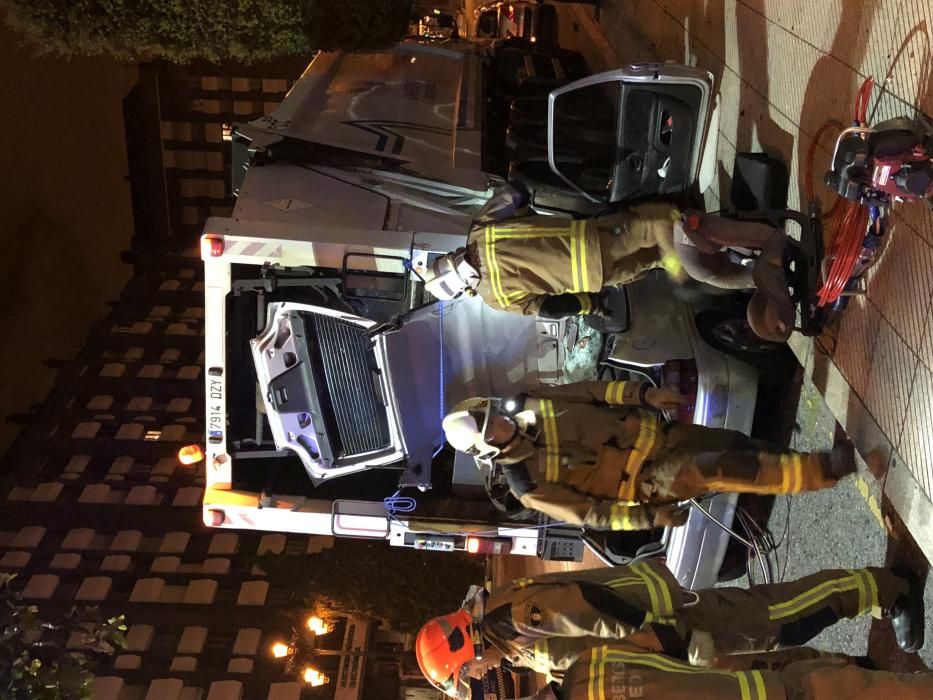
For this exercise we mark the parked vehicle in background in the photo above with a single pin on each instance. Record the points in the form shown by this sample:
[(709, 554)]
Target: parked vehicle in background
[(437, 26), (532, 21)]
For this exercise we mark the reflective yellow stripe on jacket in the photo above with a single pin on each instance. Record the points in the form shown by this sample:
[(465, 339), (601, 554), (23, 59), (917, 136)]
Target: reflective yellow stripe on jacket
[(551, 440), (644, 444), (751, 684), (642, 575), (576, 233), (620, 517), (542, 658), (615, 392), (791, 473), (662, 604), (586, 303)]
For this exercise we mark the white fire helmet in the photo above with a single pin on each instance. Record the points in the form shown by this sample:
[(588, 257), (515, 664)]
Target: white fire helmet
[(452, 276), (465, 427)]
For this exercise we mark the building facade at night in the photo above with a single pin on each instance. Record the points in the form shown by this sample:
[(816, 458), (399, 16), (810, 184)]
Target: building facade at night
[(95, 508)]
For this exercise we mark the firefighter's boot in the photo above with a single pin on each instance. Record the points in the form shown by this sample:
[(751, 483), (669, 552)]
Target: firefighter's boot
[(907, 615), (841, 460)]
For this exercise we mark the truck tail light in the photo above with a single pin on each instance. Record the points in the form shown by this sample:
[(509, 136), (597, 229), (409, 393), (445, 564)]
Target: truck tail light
[(190, 454), (212, 246), (488, 545), (682, 375)]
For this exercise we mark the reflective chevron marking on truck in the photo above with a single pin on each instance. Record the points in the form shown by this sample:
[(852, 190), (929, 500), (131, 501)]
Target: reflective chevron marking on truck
[(252, 249), (386, 129)]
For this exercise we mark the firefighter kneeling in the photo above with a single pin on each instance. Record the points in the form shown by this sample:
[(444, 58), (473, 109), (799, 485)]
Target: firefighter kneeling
[(547, 622), (590, 454)]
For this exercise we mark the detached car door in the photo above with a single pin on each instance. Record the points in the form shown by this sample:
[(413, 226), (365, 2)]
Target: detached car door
[(629, 133)]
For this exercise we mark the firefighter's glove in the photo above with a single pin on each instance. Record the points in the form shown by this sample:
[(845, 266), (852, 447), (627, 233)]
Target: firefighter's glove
[(665, 399), (670, 261), (671, 516)]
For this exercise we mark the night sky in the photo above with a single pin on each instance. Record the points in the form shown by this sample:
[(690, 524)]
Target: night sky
[(64, 207)]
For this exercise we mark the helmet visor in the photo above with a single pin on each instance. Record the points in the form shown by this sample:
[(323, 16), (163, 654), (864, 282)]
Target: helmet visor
[(446, 282), (486, 446)]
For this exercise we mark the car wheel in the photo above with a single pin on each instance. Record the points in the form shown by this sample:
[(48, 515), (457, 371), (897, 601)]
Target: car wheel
[(732, 334), (734, 563)]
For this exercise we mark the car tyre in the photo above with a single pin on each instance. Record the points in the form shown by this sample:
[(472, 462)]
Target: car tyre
[(730, 333)]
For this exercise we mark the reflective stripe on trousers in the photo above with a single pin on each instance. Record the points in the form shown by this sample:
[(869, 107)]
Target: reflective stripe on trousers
[(750, 684)]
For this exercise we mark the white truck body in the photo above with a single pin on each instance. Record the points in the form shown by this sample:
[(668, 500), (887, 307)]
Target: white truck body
[(369, 168), (360, 118)]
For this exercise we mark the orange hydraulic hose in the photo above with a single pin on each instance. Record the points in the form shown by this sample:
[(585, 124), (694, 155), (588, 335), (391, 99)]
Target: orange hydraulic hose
[(849, 230), (848, 235)]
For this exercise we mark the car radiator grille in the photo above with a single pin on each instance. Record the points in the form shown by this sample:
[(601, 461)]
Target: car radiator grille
[(345, 356)]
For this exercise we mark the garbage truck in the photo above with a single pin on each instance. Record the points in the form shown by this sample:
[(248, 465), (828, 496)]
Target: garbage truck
[(328, 366)]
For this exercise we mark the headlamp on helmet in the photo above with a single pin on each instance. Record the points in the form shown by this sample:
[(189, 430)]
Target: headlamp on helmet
[(467, 426), (452, 276)]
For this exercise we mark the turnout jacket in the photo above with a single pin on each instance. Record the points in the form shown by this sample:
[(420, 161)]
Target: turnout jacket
[(525, 260), (546, 621), (583, 456)]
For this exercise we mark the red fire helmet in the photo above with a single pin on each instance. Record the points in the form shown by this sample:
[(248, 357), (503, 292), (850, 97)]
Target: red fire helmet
[(442, 647)]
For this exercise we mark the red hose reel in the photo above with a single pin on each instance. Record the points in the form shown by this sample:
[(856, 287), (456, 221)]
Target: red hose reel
[(845, 248)]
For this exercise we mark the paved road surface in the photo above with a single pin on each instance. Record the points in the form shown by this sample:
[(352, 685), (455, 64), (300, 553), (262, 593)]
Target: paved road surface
[(849, 526)]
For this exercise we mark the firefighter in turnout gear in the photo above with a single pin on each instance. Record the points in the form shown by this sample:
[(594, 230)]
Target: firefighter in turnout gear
[(625, 671), (551, 267), (592, 455), (546, 622)]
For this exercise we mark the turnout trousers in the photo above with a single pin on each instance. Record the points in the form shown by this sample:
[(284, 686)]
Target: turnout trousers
[(695, 460), (625, 672), (705, 627), (772, 616)]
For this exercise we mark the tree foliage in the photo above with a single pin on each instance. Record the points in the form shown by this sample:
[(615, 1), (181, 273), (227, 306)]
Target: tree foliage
[(35, 662), (183, 30), (401, 587), (363, 25), (179, 30)]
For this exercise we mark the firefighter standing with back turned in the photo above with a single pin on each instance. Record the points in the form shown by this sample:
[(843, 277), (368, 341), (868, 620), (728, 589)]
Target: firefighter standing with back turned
[(592, 455), (552, 267), (547, 621)]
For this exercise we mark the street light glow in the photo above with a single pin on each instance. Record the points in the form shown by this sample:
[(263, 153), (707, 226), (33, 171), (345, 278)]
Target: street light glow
[(280, 650), (190, 454), (313, 677), (318, 625)]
